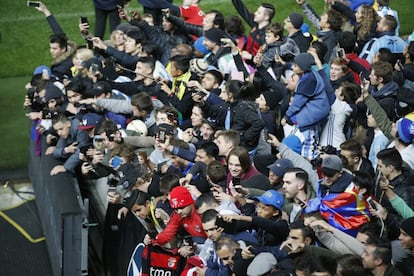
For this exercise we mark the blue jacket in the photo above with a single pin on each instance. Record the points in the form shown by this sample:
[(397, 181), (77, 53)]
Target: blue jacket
[(76, 135), (386, 40), (310, 104)]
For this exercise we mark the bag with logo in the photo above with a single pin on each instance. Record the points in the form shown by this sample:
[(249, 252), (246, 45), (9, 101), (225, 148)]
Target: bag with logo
[(159, 261)]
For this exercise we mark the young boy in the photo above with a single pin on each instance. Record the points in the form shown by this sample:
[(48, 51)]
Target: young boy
[(177, 93), (271, 229), (277, 44)]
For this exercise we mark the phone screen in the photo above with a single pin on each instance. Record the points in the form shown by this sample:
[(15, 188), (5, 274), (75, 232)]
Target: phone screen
[(371, 203), (161, 136)]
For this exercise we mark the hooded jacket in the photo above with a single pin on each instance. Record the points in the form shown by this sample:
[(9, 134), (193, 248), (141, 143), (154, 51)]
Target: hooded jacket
[(310, 104), (387, 98), (285, 48)]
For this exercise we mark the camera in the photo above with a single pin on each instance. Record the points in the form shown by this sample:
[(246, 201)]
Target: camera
[(36, 103), (188, 240), (31, 92), (33, 4), (113, 178), (228, 227), (318, 160), (47, 114)]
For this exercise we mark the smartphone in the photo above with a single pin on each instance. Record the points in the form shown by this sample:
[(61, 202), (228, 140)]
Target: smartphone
[(341, 53), (33, 4), (201, 93), (161, 135), (239, 189), (371, 203), (84, 19), (111, 189), (84, 149), (116, 161), (236, 181), (287, 249)]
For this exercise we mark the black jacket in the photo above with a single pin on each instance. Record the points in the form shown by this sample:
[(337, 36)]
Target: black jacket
[(403, 187), (302, 41), (244, 119)]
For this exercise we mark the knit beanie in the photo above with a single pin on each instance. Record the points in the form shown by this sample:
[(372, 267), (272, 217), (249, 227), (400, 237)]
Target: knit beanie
[(199, 46), (296, 19), (405, 130), (52, 92), (214, 35), (304, 61), (408, 226), (180, 197), (198, 66)]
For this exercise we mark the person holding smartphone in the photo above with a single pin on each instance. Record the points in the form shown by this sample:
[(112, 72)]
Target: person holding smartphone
[(240, 168), (271, 229), (61, 48)]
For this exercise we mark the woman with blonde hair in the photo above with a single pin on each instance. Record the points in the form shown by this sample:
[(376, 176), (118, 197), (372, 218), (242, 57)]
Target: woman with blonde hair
[(365, 18), (81, 55)]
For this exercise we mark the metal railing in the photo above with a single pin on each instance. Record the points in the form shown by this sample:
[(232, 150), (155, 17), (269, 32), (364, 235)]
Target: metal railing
[(63, 215)]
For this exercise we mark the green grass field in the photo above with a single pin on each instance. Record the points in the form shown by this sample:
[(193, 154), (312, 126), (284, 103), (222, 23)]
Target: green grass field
[(24, 45)]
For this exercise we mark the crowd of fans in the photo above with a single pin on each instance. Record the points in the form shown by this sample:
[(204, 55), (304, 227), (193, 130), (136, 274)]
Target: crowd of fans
[(271, 151)]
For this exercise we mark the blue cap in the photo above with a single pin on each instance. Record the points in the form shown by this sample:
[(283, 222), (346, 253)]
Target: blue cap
[(39, 70), (199, 46), (273, 198), (90, 120), (293, 142), (280, 166)]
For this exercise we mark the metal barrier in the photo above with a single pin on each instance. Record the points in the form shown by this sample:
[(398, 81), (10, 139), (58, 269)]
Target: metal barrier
[(62, 213)]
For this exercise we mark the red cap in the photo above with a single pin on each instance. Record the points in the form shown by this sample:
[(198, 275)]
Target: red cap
[(180, 197)]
